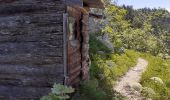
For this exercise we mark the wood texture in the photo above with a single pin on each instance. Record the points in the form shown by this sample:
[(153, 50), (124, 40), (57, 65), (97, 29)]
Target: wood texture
[(85, 48), (94, 3), (31, 48), (74, 3), (74, 51)]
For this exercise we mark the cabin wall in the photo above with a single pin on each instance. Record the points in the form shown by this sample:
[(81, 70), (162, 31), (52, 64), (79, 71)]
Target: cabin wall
[(31, 47)]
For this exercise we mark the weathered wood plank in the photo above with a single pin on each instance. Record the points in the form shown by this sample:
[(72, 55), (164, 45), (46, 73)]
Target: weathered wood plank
[(34, 81), (23, 8), (75, 58), (35, 51), (94, 3), (31, 47), (18, 98), (32, 70), (74, 77), (29, 1), (14, 91), (74, 70), (31, 38), (32, 30), (30, 20), (29, 59)]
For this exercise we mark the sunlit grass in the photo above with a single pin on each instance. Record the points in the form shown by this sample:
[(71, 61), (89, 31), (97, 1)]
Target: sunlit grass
[(159, 68)]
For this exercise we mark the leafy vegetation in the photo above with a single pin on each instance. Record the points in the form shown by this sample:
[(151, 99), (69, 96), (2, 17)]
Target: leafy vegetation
[(131, 31), (157, 77), (144, 30), (59, 92), (106, 68), (107, 64)]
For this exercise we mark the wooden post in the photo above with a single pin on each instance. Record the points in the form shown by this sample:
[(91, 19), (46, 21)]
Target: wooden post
[(65, 27), (85, 48)]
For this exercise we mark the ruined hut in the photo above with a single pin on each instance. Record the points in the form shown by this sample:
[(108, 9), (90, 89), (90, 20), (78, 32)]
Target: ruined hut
[(42, 42)]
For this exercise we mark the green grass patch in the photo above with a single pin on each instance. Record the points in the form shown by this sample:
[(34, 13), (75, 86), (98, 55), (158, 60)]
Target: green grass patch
[(157, 77)]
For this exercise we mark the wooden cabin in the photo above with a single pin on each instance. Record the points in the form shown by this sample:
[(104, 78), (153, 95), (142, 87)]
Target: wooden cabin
[(42, 42)]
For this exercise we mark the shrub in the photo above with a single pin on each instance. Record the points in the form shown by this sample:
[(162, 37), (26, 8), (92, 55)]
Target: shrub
[(59, 92), (107, 67), (92, 91)]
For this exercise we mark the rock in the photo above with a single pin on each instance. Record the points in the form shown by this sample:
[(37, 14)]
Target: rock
[(105, 40), (157, 80), (96, 25), (137, 86), (148, 92)]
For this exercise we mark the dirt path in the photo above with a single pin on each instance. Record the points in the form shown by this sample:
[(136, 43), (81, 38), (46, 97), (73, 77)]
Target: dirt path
[(131, 79)]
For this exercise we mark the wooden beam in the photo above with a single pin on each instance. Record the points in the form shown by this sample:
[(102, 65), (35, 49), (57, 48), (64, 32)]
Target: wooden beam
[(94, 3), (95, 16)]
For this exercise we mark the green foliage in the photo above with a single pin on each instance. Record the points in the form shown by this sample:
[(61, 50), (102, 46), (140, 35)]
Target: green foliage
[(143, 30), (50, 97), (115, 16), (105, 69), (96, 45), (157, 77), (123, 62), (108, 67), (59, 92), (92, 91), (148, 92)]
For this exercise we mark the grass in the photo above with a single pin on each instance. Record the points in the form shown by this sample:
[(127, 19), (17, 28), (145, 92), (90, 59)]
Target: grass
[(159, 68), (106, 68), (107, 65)]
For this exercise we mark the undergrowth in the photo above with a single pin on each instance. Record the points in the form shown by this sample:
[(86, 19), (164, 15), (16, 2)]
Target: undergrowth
[(106, 68), (157, 77)]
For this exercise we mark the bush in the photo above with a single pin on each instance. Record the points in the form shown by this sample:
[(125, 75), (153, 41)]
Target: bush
[(92, 91), (59, 92), (106, 68)]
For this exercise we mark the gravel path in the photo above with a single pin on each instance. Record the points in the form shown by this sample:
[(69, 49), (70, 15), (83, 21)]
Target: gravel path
[(132, 79)]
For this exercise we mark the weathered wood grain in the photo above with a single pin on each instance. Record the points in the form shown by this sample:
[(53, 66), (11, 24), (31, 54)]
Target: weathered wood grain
[(29, 59), (27, 6), (33, 81), (30, 20), (10, 92), (30, 70), (55, 29), (31, 48)]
